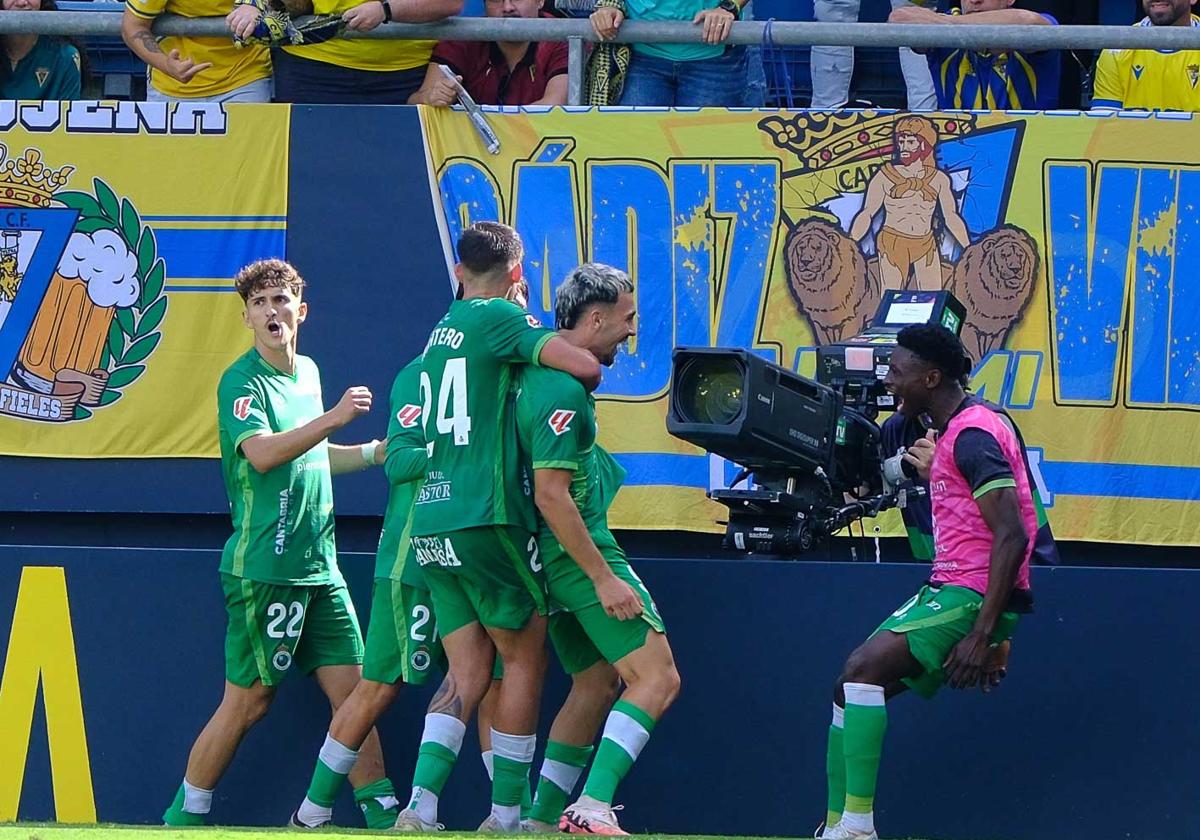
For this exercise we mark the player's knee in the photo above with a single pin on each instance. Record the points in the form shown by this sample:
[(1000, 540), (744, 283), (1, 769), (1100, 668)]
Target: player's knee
[(858, 668), (670, 683)]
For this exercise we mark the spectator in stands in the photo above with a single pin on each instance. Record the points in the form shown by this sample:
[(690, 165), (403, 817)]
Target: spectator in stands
[(832, 67), (197, 69), (1151, 80), (499, 72), (380, 72), (39, 66), (989, 79), (706, 73)]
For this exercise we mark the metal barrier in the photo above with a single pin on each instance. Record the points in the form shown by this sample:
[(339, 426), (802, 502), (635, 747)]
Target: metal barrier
[(576, 32)]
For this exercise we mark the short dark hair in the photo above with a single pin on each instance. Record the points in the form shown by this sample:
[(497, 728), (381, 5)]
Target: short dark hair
[(268, 274), (937, 346), (587, 285), (488, 247)]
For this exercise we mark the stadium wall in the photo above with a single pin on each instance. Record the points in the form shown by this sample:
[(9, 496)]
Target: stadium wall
[(1090, 736)]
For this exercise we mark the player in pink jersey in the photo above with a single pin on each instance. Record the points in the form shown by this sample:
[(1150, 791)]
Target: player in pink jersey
[(984, 523)]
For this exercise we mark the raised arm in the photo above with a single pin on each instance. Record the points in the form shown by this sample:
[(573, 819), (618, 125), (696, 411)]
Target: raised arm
[(267, 451)]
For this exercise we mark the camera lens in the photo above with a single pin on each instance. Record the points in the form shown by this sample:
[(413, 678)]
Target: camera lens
[(709, 390)]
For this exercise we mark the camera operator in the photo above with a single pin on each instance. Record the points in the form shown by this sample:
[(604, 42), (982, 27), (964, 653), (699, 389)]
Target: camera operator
[(984, 523)]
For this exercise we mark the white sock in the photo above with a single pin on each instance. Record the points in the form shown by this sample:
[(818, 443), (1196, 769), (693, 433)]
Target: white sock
[(564, 776), (626, 733), (312, 814), (839, 717), (196, 800), (425, 803), (859, 823), (337, 756), (486, 755), (509, 816)]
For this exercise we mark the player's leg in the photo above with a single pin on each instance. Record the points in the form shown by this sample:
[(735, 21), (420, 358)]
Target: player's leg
[(240, 708), (484, 716), (641, 654), (569, 748), (331, 648), (470, 656)]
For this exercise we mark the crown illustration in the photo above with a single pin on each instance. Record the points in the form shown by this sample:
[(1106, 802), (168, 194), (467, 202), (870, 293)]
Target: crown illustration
[(821, 139), (27, 182)]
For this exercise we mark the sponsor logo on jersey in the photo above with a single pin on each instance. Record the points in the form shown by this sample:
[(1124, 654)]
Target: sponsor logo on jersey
[(560, 421), (241, 407), (409, 416), (533, 322)]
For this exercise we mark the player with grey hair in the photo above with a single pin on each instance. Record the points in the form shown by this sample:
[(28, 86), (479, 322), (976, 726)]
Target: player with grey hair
[(602, 617)]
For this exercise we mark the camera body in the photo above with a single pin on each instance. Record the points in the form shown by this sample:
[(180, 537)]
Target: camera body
[(812, 446)]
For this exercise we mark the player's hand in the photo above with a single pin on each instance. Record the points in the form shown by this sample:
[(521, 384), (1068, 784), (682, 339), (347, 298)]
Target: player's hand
[(618, 598), (716, 23), (964, 666), (996, 668), (364, 17), (242, 20), (443, 92), (920, 454), (354, 403), (916, 14), (183, 69), (606, 21)]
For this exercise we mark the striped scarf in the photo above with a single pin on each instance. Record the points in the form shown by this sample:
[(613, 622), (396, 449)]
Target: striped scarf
[(607, 66)]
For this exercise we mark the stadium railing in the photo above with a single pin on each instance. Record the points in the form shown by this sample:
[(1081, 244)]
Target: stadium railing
[(104, 19)]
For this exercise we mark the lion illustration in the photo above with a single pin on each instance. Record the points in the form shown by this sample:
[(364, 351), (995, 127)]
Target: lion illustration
[(829, 279), (994, 280)]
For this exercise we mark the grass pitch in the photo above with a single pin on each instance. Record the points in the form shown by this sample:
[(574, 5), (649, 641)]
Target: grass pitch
[(52, 831)]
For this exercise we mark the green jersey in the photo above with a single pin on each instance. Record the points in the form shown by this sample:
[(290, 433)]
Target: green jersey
[(474, 476), (283, 518), (404, 467), (48, 71), (556, 424)]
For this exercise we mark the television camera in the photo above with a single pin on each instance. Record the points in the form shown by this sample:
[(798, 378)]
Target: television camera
[(811, 446)]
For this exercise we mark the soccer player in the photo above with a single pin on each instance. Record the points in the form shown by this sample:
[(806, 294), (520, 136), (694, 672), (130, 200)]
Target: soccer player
[(1151, 80), (609, 613), (279, 567), (984, 526), (402, 642), (473, 523)]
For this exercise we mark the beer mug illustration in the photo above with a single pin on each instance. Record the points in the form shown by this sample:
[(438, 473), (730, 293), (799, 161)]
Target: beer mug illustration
[(96, 276)]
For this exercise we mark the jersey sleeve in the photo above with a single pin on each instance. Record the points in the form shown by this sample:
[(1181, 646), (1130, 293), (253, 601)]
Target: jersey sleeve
[(406, 452), (552, 419), (1108, 91), (241, 408), (513, 334), (978, 457), (556, 63), (146, 9), (65, 80)]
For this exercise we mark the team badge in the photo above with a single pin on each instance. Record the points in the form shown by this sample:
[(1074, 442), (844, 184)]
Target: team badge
[(282, 660), (42, 73), (81, 292), (560, 421), (420, 660), (1193, 71), (241, 407), (408, 416)]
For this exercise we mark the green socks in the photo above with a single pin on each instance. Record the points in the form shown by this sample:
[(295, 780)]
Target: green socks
[(625, 734), (862, 745), (190, 806), (440, 743), (512, 756), (378, 804), (561, 769), (835, 770)]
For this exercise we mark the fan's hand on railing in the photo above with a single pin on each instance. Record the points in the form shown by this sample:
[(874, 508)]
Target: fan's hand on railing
[(365, 16), (606, 21), (242, 20)]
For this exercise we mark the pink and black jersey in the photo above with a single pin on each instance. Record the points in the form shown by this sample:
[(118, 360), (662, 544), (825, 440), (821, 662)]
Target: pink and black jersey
[(976, 453)]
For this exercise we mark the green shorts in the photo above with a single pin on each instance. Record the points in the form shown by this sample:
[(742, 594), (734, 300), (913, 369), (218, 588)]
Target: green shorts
[(933, 621), (490, 575), (403, 644), (271, 627), (573, 591)]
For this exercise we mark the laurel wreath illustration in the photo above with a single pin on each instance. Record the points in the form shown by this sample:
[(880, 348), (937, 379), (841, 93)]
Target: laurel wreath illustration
[(134, 332)]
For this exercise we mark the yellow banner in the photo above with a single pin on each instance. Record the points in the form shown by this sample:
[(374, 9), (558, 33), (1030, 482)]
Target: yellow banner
[(780, 231), (121, 225)]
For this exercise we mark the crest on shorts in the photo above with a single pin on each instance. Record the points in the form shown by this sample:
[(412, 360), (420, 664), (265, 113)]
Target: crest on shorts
[(241, 407), (560, 421), (81, 293), (409, 416)]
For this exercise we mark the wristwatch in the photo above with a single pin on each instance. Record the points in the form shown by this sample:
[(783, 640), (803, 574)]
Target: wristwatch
[(731, 7), (387, 11)]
